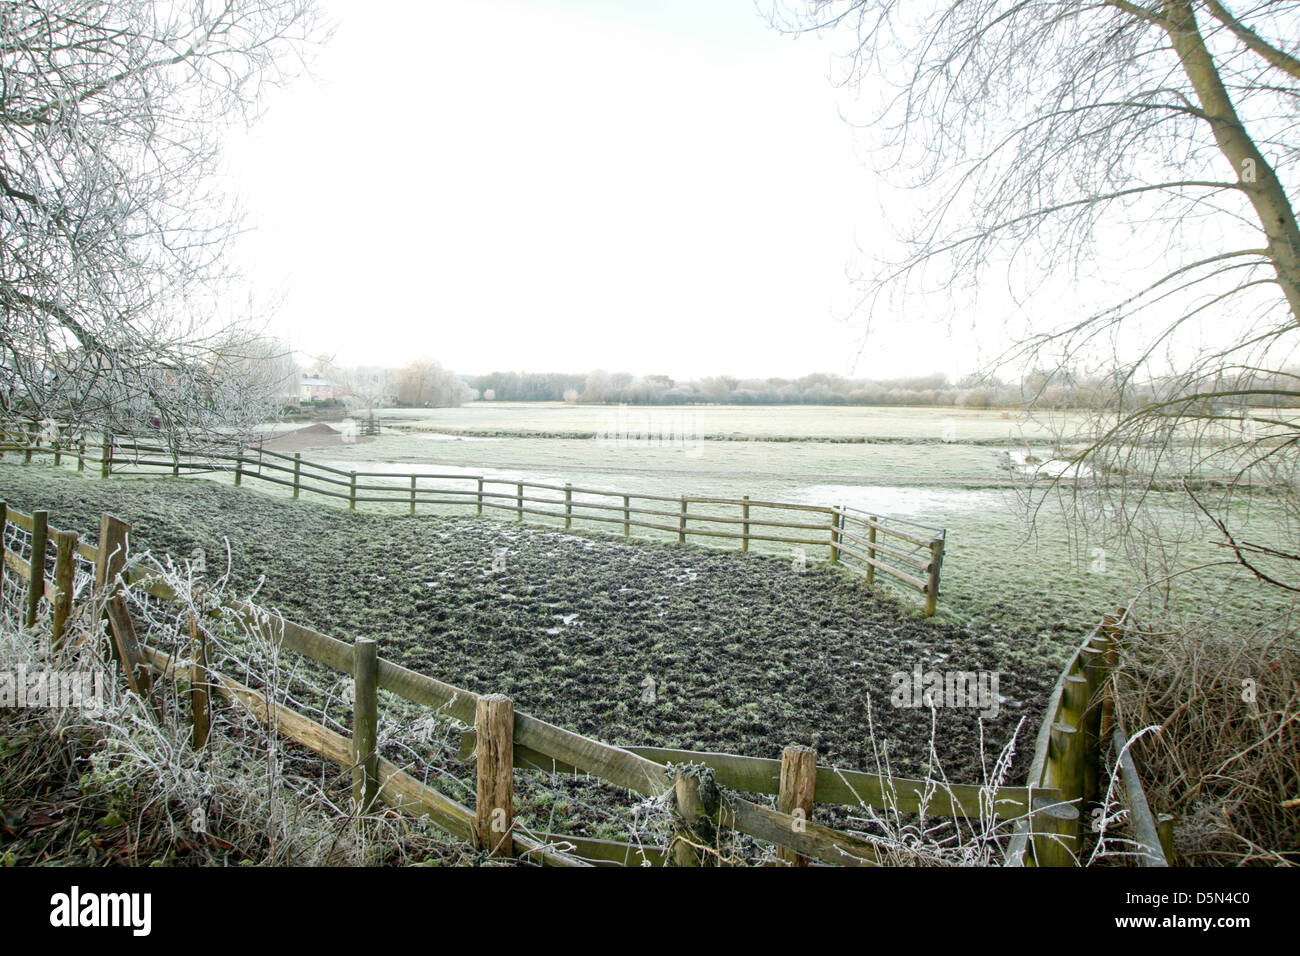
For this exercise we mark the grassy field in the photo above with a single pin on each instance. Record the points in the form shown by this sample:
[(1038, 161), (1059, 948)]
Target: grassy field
[(746, 654), (760, 421), (999, 570)]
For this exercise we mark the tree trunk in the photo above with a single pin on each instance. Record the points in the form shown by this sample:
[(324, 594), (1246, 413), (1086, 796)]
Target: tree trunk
[(1266, 194)]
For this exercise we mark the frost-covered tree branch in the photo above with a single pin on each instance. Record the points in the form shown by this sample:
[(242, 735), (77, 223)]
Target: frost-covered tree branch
[(114, 233)]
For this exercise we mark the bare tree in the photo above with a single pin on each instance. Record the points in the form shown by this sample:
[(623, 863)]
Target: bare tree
[(425, 383), (1136, 157), (364, 387), (263, 375), (113, 228)]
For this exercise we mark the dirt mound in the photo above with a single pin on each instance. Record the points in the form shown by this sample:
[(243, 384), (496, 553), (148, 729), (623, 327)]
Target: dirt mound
[(318, 435)]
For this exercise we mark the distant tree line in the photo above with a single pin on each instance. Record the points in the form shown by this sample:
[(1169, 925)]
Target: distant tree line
[(1043, 389)]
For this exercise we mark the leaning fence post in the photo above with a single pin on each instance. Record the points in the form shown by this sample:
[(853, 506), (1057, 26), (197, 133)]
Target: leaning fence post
[(110, 561), (65, 563), (36, 576), (494, 725), (932, 585), (110, 555), (797, 792), (681, 523), (365, 724), (200, 705), (744, 528)]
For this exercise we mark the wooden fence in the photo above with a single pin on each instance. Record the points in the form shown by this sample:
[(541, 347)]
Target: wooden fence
[(908, 554), (1068, 773), (503, 739)]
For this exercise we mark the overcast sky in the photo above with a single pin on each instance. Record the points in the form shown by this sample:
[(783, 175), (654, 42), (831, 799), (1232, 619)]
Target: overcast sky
[(565, 185)]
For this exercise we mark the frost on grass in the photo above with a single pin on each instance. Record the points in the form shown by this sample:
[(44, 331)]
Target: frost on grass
[(745, 655), (248, 796)]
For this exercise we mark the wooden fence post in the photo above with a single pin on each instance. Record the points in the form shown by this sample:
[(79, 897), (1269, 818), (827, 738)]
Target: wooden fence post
[(297, 473), (106, 457), (36, 580), (1093, 665), (798, 791), (413, 494), (519, 501), (480, 496), (4, 524), (568, 505), (65, 563), (1165, 829), (111, 552), (871, 548), (744, 528), (352, 492), (365, 724), (1052, 823), (494, 815), (627, 516), (1065, 750), (835, 538), (681, 523), (1109, 629), (58, 445), (1074, 712), (110, 559), (81, 455), (692, 812), (200, 704), (932, 585), (239, 466)]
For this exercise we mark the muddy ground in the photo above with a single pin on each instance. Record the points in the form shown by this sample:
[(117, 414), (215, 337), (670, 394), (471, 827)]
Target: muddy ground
[(745, 653)]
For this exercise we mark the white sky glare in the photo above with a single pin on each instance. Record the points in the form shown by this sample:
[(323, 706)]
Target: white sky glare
[(656, 187)]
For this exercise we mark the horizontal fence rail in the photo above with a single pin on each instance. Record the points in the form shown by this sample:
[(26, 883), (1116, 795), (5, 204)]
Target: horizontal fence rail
[(907, 554), (502, 739)]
